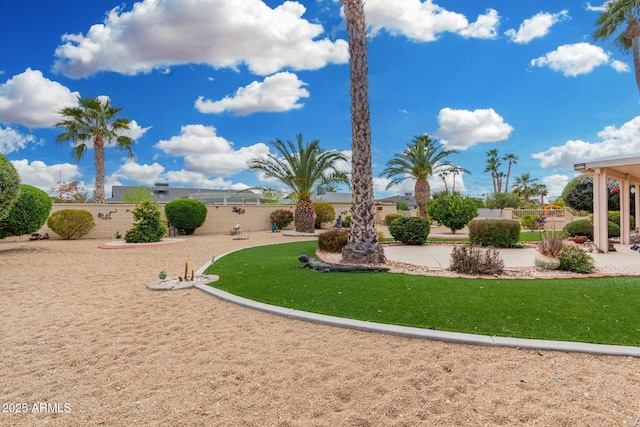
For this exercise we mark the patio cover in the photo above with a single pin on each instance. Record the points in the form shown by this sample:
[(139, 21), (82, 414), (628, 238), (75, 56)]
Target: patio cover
[(627, 172)]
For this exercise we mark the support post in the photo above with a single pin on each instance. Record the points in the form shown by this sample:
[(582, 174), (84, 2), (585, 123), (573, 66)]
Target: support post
[(625, 212), (600, 209)]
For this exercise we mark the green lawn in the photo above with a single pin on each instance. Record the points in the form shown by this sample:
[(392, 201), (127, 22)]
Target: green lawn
[(525, 236), (596, 310)]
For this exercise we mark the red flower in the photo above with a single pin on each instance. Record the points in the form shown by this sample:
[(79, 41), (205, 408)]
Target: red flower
[(614, 191)]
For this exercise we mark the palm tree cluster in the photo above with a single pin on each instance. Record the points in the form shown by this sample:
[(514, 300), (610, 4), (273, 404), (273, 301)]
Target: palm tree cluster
[(494, 161)]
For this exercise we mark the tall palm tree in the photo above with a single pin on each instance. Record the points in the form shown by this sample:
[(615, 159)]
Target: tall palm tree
[(302, 167), (452, 170), (420, 160), (94, 122), (493, 165), (524, 187), (621, 16), (363, 245), (512, 159), (542, 191)]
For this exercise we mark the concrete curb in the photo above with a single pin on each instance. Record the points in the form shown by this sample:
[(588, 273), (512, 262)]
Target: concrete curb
[(412, 332), (452, 337)]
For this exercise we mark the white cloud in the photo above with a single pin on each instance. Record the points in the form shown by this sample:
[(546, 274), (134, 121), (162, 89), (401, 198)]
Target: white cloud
[(614, 142), (43, 176), (143, 174), (12, 140), (207, 153), (425, 21), (461, 129), (156, 34), (601, 8), (575, 59), (32, 100), (620, 66), (279, 92), (555, 184), (536, 27)]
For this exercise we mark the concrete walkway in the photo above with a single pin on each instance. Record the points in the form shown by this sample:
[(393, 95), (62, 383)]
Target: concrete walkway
[(441, 257)]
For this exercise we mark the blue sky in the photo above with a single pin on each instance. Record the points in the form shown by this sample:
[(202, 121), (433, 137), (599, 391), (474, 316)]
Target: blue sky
[(209, 83)]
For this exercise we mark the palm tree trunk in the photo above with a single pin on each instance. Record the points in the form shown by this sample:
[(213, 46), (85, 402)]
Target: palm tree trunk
[(422, 192), (506, 185), (304, 220), (98, 154), (636, 59), (363, 245)]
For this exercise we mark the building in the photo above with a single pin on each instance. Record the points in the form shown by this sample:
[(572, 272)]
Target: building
[(162, 193)]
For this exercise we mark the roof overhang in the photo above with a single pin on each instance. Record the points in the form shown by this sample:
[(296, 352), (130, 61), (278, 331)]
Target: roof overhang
[(627, 168)]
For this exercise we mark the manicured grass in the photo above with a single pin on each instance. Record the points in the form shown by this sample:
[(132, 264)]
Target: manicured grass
[(596, 310)]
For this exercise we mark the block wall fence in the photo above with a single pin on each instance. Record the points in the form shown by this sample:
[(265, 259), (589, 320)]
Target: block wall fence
[(113, 218)]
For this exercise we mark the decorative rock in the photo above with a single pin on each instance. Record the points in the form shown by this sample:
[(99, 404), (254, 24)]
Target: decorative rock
[(176, 282), (546, 262)]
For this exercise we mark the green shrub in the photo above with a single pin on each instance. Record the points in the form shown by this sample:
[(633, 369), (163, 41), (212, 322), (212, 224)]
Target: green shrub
[(71, 224), (9, 186), (402, 205), (574, 258), (28, 214), (186, 214), (333, 240), (281, 218), (389, 218), (584, 227), (471, 259), (503, 200), (149, 227), (529, 222), (324, 213), (500, 233), (453, 210), (346, 221), (410, 231), (614, 216)]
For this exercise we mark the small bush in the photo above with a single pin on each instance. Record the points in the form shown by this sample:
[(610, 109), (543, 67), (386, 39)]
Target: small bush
[(503, 200), (186, 214), (324, 213), (346, 221), (28, 214), (584, 227), (281, 218), (574, 258), (149, 227), (473, 260), (500, 233), (71, 224), (410, 231), (389, 218), (532, 222), (333, 240)]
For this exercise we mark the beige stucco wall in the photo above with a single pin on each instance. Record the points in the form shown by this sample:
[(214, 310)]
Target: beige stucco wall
[(220, 218)]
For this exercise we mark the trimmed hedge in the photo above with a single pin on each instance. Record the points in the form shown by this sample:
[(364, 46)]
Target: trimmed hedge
[(499, 233), (71, 224), (583, 227), (333, 240), (410, 231), (324, 213), (389, 218), (28, 214), (9, 186), (186, 214)]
